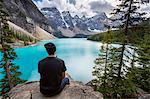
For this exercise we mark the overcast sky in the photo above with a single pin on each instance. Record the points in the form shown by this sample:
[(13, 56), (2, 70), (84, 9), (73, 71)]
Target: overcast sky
[(84, 7)]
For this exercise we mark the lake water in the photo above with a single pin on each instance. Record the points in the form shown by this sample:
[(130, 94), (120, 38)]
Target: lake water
[(78, 54)]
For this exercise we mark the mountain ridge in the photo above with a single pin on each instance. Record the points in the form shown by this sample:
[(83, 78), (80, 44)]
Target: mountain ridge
[(52, 13), (64, 20)]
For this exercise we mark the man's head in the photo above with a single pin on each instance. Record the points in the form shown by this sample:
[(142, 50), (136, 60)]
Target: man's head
[(50, 48)]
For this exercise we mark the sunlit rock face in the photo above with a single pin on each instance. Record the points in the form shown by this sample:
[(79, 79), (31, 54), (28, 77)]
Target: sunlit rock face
[(75, 90)]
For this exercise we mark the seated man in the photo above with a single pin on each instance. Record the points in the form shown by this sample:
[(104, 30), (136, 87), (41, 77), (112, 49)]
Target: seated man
[(52, 72)]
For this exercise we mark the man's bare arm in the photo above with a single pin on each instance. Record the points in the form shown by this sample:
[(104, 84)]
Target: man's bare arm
[(63, 75)]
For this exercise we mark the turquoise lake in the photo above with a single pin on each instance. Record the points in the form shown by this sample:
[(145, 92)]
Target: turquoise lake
[(78, 54)]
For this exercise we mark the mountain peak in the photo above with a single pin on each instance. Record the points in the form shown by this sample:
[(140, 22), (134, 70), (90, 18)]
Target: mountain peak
[(66, 13), (76, 16), (83, 17)]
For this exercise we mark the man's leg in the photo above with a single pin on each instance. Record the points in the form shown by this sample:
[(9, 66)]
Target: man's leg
[(64, 82)]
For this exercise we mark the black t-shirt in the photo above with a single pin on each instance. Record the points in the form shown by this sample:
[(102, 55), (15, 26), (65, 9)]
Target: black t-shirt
[(50, 70)]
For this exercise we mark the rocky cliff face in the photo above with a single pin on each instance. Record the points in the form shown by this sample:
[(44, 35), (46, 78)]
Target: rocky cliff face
[(80, 22), (97, 22), (75, 90), (25, 14), (68, 19)]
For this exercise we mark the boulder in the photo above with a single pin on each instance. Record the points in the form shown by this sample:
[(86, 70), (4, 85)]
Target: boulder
[(75, 90)]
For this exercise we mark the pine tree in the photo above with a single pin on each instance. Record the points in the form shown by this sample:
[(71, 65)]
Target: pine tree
[(9, 71), (102, 69), (129, 16), (143, 71), (140, 74), (128, 10)]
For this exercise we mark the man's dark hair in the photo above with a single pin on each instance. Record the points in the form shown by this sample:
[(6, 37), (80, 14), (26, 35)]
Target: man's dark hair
[(50, 48)]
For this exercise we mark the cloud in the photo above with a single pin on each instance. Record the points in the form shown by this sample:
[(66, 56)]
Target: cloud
[(101, 6), (41, 3), (146, 9), (87, 7), (74, 6), (81, 7)]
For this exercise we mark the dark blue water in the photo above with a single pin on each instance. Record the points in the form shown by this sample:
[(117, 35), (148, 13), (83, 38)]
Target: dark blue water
[(78, 54)]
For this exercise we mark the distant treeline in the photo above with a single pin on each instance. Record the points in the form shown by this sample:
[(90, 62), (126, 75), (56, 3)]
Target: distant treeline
[(19, 36)]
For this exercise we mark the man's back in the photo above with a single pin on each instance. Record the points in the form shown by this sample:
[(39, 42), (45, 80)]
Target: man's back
[(52, 72), (51, 69)]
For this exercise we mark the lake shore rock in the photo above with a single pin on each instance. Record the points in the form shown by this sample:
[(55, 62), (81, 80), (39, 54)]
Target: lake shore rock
[(75, 90)]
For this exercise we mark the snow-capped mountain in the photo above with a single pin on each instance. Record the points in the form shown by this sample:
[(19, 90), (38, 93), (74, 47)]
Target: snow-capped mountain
[(54, 17), (68, 19), (80, 23), (65, 20), (97, 22)]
